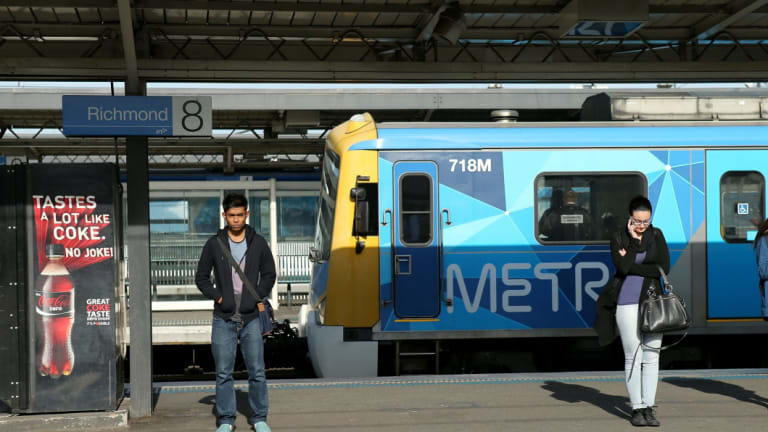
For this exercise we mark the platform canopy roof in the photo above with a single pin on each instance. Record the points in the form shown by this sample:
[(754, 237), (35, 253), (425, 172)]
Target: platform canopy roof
[(286, 128), (384, 40)]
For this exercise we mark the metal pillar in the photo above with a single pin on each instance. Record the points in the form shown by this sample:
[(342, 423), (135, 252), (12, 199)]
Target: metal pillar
[(137, 238), (273, 236)]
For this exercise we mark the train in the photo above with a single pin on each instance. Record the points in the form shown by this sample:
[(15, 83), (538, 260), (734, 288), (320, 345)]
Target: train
[(436, 232)]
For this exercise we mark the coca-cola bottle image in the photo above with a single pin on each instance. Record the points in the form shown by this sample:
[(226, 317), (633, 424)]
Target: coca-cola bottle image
[(55, 296)]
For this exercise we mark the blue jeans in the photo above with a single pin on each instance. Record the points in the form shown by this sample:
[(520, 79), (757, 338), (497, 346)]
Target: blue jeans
[(641, 363), (224, 336)]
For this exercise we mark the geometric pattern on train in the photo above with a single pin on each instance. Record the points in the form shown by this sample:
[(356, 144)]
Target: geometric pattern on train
[(488, 228), (478, 224), (677, 187)]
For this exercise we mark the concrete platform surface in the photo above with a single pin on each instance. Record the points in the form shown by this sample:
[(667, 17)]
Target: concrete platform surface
[(711, 400)]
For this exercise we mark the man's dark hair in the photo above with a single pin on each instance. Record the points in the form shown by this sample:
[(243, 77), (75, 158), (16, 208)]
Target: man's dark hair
[(639, 203), (234, 199)]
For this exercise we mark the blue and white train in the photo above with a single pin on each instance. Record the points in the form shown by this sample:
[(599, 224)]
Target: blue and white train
[(436, 231)]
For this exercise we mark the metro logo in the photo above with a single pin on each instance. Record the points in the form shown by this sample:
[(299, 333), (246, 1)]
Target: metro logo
[(522, 287)]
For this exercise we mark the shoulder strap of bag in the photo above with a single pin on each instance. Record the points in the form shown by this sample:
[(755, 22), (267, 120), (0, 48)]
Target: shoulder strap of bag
[(237, 268)]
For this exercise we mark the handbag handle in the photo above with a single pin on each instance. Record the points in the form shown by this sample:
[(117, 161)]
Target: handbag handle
[(667, 286)]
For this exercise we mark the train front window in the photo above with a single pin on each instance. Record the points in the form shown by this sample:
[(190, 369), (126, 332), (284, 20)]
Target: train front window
[(415, 209), (580, 208), (742, 205), (329, 186)]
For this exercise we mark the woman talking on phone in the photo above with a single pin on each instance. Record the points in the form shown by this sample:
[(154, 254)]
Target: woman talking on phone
[(637, 252)]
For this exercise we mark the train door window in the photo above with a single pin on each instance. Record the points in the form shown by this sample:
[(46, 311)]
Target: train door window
[(415, 209), (742, 205), (579, 208)]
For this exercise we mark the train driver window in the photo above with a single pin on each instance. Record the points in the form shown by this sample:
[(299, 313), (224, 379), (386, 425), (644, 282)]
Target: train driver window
[(742, 205), (415, 209), (579, 208)]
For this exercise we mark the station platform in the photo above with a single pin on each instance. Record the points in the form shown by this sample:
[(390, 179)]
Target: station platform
[(589, 401)]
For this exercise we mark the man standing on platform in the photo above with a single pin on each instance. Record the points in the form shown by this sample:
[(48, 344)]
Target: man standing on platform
[(235, 311)]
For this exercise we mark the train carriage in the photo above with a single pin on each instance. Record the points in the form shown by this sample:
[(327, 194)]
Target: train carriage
[(435, 231)]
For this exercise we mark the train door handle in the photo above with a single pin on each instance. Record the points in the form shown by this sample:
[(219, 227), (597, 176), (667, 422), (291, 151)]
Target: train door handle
[(402, 264), (448, 213), (384, 217)]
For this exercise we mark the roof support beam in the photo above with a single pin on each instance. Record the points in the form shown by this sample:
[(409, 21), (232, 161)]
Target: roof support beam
[(739, 10), (354, 71), (58, 3), (129, 46), (264, 6), (306, 32)]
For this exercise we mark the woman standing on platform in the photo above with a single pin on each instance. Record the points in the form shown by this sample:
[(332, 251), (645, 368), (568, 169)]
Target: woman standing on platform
[(637, 252), (761, 252)]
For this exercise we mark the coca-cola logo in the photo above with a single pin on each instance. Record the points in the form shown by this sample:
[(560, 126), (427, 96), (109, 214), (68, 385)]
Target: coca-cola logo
[(60, 301), (53, 303)]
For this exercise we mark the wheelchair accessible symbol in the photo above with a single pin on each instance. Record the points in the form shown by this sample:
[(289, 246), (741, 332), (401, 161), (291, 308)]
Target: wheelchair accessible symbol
[(742, 208)]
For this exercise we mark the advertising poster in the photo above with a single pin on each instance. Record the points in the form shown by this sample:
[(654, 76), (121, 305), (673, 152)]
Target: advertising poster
[(73, 286)]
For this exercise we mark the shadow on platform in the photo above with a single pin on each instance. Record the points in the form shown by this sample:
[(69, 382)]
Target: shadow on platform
[(573, 393), (241, 397), (720, 388)]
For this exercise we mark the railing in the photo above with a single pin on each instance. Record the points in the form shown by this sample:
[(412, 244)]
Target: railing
[(174, 262), (293, 261)]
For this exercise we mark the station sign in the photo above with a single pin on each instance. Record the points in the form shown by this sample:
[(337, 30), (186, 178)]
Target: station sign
[(136, 115)]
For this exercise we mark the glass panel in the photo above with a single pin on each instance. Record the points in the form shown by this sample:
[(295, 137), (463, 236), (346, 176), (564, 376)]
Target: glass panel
[(204, 214), (180, 224), (259, 220), (415, 209), (742, 205), (229, 191), (584, 207), (324, 227), (168, 216), (416, 228), (415, 191), (295, 217)]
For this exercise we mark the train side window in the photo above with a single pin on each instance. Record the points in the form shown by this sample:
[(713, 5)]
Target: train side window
[(742, 205), (416, 209), (583, 207)]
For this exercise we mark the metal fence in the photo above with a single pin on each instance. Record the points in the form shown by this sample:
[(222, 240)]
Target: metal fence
[(293, 261), (174, 262)]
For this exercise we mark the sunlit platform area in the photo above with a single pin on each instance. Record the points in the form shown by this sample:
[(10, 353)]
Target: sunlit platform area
[(688, 400)]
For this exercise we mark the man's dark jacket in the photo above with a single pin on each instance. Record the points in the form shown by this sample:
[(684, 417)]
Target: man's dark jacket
[(657, 254), (259, 269)]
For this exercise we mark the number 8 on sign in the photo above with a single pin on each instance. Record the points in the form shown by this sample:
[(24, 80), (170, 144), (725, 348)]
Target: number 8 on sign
[(191, 116)]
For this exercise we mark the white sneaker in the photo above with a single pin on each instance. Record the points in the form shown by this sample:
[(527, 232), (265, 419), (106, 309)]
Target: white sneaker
[(261, 427), (225, 428)]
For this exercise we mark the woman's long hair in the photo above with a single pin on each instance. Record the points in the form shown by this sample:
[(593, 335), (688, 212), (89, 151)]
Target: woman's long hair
[(761, 231)]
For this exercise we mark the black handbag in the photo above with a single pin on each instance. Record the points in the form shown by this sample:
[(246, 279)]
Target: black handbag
[(663, 312), (266, 313)]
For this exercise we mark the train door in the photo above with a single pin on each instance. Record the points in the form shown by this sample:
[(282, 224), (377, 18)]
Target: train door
[(735, 202), (416, 252)]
